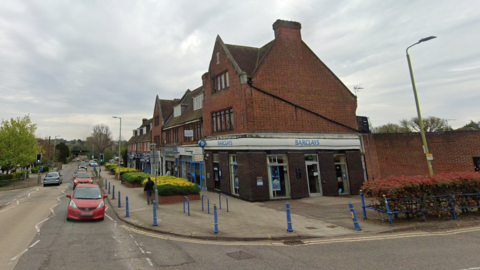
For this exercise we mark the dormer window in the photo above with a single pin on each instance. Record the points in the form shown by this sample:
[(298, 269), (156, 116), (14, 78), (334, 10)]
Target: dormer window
[(141, 131), (218, 58), (198, 102), (177, 111), (220, 82)]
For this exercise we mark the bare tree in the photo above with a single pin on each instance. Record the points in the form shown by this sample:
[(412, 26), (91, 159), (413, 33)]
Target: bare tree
[(101, 137), (430, 124)]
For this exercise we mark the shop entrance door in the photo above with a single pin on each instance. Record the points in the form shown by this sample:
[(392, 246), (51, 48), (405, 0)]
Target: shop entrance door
[(196, 175), (341, 174), (313, 175), (278, 176)]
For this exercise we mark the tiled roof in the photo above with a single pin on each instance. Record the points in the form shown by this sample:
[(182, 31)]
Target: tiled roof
[(189, 114), (166, 107), (248, 58)]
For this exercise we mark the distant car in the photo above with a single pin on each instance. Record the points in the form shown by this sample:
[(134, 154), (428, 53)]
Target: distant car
[(82, 178), (111, 161), (82, 165), (52, 178), (78, 171), (92, 163), (86, 202)]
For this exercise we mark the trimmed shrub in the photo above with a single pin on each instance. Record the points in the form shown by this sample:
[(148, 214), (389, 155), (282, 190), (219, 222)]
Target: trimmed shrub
[(171, 186), (35, 169), (6, 176), (135, 177)]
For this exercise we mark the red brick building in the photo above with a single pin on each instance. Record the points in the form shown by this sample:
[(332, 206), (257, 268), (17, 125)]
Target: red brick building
[(278, 123), (138, 147)]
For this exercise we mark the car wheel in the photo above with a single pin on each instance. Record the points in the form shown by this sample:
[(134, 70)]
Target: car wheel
[(69, 219), (44, 185), (102, 218)]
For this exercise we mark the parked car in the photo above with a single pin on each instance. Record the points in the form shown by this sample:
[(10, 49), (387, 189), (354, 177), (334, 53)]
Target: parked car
[(52, 178), (86, 202), (92, 163), (82, 178), (78, 171), (82, 165)]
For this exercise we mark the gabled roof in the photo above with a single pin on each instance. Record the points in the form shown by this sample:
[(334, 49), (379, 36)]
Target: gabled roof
[(189, 114), (249, 58)]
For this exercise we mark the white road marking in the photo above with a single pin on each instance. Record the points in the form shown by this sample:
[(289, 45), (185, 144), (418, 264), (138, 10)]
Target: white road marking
[(149, 262), (135, 242), (29, 194), (148, 252), (32, 245), (131, 235), (18, 202), (7, 203), (21, 253), (109, 217), (142, 250)]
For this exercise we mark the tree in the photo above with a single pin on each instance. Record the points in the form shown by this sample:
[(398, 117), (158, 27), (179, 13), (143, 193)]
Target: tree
[(101, 137), (430, 124), (18, 144), (390, 128), (46, 148), (62, 152), (473, 125)]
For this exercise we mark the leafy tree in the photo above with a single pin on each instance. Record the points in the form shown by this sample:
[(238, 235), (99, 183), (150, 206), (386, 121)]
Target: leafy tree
[(473, 125), (46, 147), (390, 128), (430, 124), (17, 142), (62, 152), (124, 152)]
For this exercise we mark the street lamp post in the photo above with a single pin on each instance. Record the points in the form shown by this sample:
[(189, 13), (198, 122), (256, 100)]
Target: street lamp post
[(54, 148), (119, 137), (422, 131)]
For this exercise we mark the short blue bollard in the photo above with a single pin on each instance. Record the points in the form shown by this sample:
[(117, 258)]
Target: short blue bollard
[(208, 203), (119, 203), (155, 213), (220, 200), (363, 206), (126, 206), (185, 197), (215, 219), (289, 219), (354, 217), (108, 187), (113, 192)]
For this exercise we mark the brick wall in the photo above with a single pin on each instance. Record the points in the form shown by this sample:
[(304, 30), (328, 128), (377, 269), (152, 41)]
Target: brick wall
[(209, 170), (402, 153), (298, 186), (256, 166), (225, 168), (355, 171)]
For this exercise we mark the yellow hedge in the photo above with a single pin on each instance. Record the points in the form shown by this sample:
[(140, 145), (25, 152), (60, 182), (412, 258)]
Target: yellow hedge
[(170, 180)]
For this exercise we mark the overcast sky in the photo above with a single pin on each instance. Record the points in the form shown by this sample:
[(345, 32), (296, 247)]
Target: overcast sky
[(74, 64)]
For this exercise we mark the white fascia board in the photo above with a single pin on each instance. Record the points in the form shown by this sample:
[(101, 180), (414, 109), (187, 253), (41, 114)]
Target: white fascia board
[(283, 143)]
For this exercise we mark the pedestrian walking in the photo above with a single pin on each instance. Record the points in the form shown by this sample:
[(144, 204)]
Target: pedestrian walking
[(148, 189)]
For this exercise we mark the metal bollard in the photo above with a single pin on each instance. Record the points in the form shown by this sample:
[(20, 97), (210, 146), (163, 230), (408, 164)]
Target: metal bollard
[(208, 204), (185, 197), (113, 192), (215, 219), (108, 187), (119, 203), (289, 219), (155, 213), (354, 217), (126, 206)]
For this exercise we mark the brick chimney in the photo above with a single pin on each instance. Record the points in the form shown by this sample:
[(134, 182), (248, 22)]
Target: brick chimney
[(287, 29), (144, 120), (204, 79)]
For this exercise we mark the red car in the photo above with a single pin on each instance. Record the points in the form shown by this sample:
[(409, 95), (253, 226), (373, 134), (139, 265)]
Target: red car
[(86, 202), (82, 178)]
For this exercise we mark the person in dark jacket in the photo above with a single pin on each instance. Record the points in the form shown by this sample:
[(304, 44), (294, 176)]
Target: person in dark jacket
[(148, 189)]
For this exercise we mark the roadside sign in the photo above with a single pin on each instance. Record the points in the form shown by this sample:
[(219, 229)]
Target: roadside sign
[(429, 156)]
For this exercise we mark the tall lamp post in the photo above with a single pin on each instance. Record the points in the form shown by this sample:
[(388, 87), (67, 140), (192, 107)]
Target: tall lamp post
[(119, 137), (422, 131), (54, 148)]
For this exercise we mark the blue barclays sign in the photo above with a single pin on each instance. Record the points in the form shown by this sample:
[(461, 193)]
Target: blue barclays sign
[(307, 142), (225, 143)]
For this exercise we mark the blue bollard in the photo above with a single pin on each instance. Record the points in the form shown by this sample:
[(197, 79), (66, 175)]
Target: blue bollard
[(215, 219), (354, 217), (108, 187), (185, 197), (113, 192), (155, 213), (119, 203), (363, 206), (208, 204), (289, 219), (126, 206)]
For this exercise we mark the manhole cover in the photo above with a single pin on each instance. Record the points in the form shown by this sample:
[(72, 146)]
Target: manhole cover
[(292, 242), (331, 226), (240, 255), (311, 228)]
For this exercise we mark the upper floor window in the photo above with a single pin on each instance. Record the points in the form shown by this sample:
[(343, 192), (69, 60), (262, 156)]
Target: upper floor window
[(177, 111), (168, 137), (222, 120), (198, 102), (185, 130), (221, 82), (175, 135), (197, 132)]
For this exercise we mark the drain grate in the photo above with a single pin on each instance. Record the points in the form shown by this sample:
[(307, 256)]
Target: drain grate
[(292, 242), (240, 255)]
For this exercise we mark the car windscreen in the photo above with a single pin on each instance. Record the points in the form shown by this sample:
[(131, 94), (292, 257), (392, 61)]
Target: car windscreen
[(52, 174), (84, 175), (87, 193)]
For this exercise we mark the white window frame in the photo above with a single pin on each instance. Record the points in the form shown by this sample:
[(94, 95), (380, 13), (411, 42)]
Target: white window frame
[(218, 58), (198, 102), (177, 110), (233, 162)]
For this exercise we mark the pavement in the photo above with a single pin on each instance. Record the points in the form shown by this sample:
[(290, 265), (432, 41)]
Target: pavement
[(314, 217)]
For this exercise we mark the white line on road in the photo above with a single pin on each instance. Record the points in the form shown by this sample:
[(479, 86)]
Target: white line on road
[(32, 245), (29, 194), (142, 250), (7, 203), (149, 262), (135, 242), (21, 253), (18, 202), (109, 217)]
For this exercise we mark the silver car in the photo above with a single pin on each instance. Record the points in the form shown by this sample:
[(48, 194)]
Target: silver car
[(52, 178)]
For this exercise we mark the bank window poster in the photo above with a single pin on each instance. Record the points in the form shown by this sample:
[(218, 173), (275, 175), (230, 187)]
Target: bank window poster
[(235, 181), (275, 178)]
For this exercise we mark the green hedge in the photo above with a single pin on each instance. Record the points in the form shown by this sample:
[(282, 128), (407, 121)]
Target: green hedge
[(171, 190), (36, 169), (15, 175), (135, 177), (6, 176)]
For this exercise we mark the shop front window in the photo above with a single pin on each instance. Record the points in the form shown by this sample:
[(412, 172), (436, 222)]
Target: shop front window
[(279, 182), (341, 174), (233, 174)]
